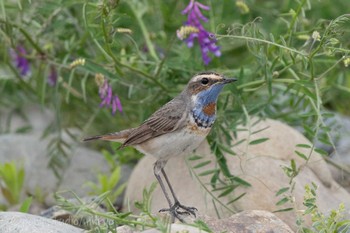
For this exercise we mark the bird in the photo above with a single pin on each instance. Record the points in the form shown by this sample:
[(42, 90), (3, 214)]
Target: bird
[(175, 129)]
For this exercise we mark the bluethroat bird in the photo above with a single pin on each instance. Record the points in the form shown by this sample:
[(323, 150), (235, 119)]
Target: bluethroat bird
[(175, 129)]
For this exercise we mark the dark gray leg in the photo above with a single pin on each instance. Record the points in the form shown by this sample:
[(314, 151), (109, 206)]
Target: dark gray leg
[(160, 181), (169, 185), (176, 210)]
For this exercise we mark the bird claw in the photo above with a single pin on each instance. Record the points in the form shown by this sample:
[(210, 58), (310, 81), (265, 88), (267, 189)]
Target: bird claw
[(178, 210)]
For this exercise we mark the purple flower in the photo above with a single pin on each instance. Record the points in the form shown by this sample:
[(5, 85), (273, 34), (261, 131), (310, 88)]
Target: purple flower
[(108, 99), (19, 60), (52, 78), (206, 40)]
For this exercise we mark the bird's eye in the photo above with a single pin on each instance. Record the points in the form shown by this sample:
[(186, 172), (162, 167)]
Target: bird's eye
[(205, 81)]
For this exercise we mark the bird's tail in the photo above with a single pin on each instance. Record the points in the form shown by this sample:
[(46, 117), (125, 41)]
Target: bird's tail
[(115, 137)]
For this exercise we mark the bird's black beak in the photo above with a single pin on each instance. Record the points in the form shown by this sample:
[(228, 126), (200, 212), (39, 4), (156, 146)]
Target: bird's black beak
[(228, 80)]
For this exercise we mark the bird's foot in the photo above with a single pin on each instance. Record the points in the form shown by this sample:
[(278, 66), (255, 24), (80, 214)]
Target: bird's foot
[(178, 211)]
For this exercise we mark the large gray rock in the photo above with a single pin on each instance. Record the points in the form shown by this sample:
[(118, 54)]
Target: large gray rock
[(259, 164), (30, 152), (11, 222)]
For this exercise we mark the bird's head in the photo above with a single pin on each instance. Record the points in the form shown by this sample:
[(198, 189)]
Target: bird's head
[(205, 87), (203, 90)]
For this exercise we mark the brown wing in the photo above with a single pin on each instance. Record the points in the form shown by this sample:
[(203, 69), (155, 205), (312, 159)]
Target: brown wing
[(170, 117)]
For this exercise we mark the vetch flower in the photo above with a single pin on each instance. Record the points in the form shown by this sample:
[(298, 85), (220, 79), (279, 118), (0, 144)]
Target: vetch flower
[(20, 61), (194, 29), (106, 95)]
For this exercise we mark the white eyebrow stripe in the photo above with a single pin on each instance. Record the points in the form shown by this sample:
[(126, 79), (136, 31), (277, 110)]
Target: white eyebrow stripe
[(210, 76)]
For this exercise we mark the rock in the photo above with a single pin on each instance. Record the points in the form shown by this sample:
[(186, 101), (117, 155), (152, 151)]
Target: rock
[(259, 164), (30, 152), (249, 221), (33, 117), (340, 155), (126, 229), (339, 131), (175, 228), (23, 223), (75, 217), (244, 222)]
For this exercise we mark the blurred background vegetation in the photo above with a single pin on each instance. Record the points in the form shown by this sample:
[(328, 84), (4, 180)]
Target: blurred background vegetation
[(290, 57)]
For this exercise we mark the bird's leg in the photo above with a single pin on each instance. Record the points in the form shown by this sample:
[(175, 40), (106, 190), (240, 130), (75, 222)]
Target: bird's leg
[(177, 209), (156, 171)]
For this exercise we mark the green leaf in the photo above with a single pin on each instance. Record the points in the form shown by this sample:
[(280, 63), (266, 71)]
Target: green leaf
[(195, 157), (8, 196), (236, 199), (239, 142), (202, 164), (307, 92), (26, 205), (96, 68), (321, 151), (304, 83), (303, 146), (226, 149), (282, 201), (301, 155), (226, 192), (283, 210), (205, 173), (307, 230), (214, 179), (202, 225), (114, 178), (258, 141), (12, 184), (282, 190), (293, 165), (325, 141), (119, 190), (310, 202), (240, 181)]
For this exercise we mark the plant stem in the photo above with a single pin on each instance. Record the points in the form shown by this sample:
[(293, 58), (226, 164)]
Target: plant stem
[(108, 48), (145, 33), (294, 20), (25, 34), (247, 38)]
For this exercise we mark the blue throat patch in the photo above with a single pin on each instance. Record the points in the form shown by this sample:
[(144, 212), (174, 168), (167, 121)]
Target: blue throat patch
[(205, 98)]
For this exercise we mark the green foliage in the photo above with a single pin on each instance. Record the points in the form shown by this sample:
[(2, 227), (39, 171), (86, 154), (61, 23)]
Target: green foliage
[(219, 187), (94, 219), (290, 62), (11, 182), (202, 226), (145, 204), (108, 184), (334, 222), (291, 59), (26, 205)]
